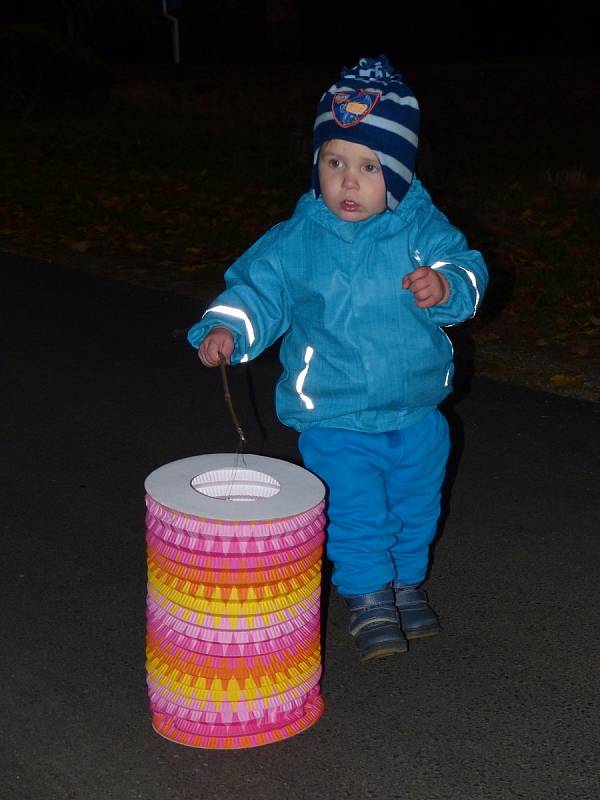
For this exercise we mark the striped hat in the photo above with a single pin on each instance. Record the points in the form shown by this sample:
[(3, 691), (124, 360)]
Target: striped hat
[(370, 105)]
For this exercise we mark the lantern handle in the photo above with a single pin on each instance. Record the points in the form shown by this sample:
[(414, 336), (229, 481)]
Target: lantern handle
[(227, 396)]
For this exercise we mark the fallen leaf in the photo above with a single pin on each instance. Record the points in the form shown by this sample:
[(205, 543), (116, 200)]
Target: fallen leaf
[(564, 380)]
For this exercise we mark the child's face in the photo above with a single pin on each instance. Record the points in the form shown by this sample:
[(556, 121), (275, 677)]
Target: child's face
[(352, 182)]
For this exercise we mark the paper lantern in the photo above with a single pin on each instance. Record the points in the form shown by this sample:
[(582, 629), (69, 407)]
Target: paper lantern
[(234, 547)]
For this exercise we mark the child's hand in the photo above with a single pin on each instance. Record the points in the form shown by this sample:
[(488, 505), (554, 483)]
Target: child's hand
[(218, 342), (428, 286)]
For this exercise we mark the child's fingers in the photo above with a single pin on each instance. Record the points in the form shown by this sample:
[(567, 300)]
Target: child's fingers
[(214, 354), (209, 352), (206, 358), (216, 346), (421, 284), (426, 301), (416, 275), (428, 287), (223, 356), (225, 349)]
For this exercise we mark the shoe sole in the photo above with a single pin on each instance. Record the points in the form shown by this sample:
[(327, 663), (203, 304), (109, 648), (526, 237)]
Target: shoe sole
[(422, 634)]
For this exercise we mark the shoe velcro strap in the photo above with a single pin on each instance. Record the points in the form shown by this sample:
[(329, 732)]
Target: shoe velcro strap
[(382, 597), (381, 636), (372, 617), (410, 597)]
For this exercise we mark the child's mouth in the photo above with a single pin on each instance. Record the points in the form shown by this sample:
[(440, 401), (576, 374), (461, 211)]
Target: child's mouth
[(349, 205)]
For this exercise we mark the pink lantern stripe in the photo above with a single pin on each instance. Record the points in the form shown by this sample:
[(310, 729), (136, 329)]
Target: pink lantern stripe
[(181, 695), (196, 643), (306, 621), (238, 546), (254, 678), (223, 729), (232, 666), (278, 551), (178, 705), (158, 640), (224, 667), (246, 688), (233, 629), (220, 561), (193, 584), (254, 593), (243, 712), (234, 649), (228, 576), (267, 619), (219, 706), (275, 624), (244, 547), (234, 529), (165, 726), (202, 605), (222, 710), (196, 540), (240, 629), (247, 684), (269, 716), (304, 608)]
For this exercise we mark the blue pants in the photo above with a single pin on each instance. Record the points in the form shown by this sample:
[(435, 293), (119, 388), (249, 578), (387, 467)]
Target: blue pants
[(384, 500)]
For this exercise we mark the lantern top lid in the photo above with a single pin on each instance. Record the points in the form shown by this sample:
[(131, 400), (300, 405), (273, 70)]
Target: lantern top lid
[(233, 487)]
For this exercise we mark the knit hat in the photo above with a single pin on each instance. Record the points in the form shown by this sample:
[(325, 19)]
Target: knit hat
[(370, 105)]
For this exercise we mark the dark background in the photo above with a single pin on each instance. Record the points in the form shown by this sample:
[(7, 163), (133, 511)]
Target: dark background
[(232, 30), (97, 117)]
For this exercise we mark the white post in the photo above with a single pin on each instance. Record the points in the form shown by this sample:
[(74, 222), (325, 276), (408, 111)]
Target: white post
[(175, 31)]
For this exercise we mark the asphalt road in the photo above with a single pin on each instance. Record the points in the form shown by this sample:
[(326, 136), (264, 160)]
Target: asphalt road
[(98, 389)]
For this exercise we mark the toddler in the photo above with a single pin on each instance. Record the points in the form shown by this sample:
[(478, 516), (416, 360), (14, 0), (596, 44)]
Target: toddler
[(360, 283)]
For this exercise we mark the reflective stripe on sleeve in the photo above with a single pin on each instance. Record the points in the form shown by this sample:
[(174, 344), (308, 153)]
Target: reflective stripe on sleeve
[(230, 311), (471, 275)]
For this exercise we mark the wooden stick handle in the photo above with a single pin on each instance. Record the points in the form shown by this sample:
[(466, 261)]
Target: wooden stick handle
[(228, 401)]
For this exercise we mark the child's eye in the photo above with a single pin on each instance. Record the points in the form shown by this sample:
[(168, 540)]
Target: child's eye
[(372, 168), (335, 163)]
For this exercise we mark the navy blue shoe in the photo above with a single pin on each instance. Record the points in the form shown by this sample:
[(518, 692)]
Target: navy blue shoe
[(375, 625), (417, 617)]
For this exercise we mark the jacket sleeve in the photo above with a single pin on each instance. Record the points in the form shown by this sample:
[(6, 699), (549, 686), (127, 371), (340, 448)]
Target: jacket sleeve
[(443, 247), (255, 304)]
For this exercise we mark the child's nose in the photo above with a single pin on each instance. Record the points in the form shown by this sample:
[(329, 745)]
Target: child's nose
[(350, 180)]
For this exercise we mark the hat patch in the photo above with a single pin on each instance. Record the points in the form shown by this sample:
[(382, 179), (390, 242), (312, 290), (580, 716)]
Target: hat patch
[(350, 108)]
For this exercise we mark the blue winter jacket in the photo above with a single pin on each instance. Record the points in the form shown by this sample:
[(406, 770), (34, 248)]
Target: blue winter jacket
[(357, 352)]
